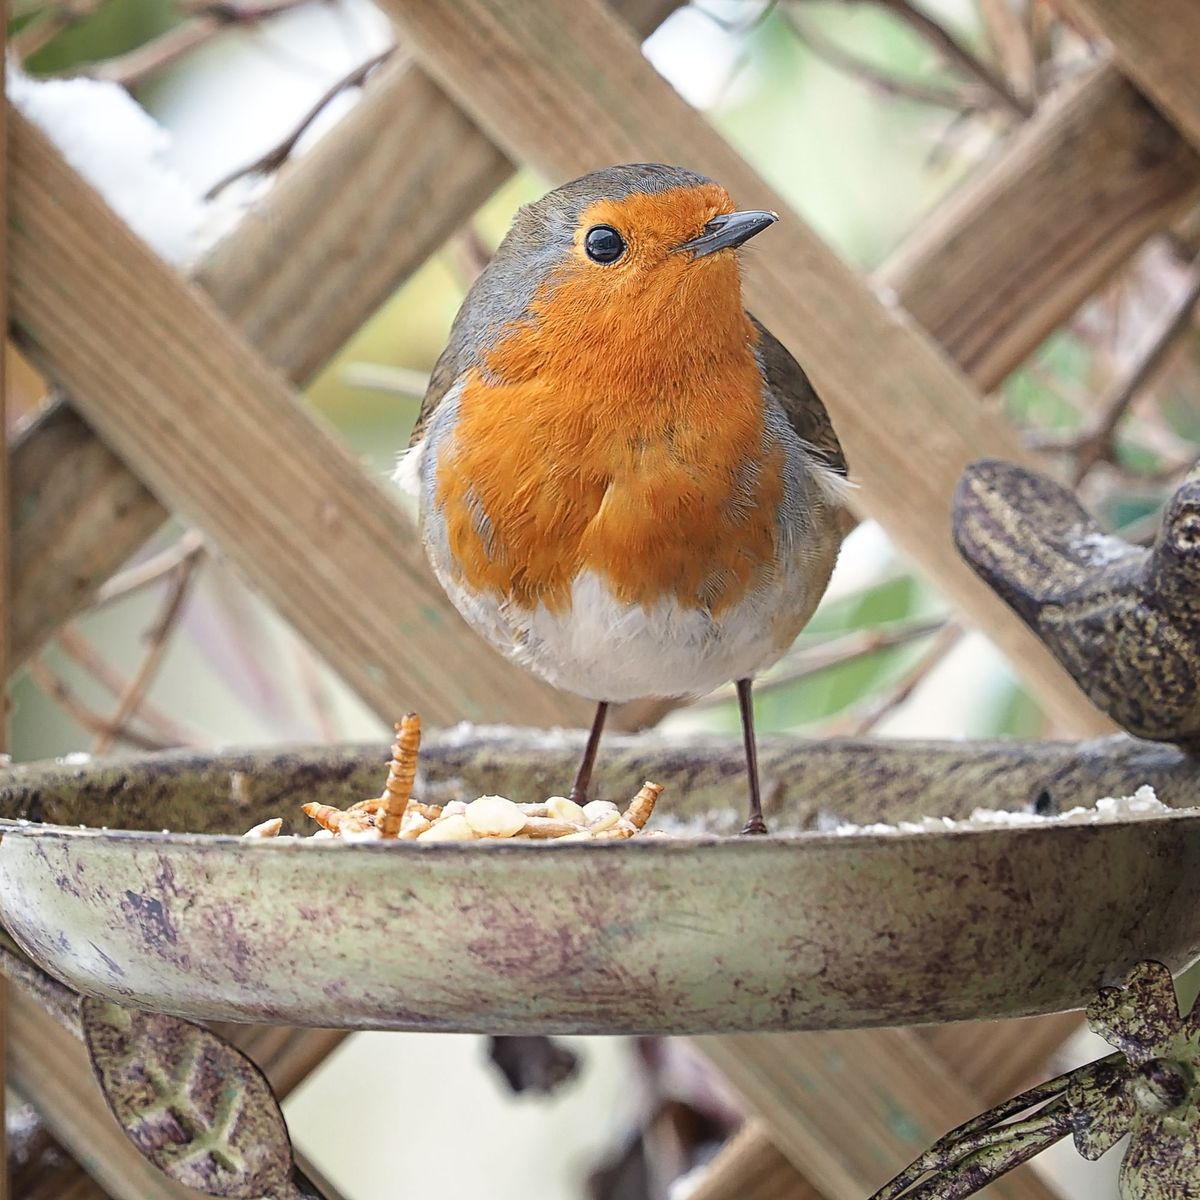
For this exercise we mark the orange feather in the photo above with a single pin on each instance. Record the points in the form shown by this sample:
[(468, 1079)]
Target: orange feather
[(627, 411)]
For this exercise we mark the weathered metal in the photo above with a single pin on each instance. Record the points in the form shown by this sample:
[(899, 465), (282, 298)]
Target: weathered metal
[(191, 1103), (655, 935), (1148, 1089), (1124, 620), (807, 783)]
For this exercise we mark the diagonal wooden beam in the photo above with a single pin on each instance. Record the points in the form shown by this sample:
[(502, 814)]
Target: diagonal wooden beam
[(343, 227), (1156, 46), (564, 87), (830, 1103), (1020, 246), (219, 437), (992, 1060)]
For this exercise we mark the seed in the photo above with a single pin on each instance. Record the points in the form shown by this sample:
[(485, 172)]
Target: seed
[(449, 829), (563, 809), (267, 829), (601, 814), (494, 816)]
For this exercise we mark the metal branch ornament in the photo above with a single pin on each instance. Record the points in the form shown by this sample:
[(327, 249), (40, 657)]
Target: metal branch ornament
[(1148, 1089), (1122, 619)]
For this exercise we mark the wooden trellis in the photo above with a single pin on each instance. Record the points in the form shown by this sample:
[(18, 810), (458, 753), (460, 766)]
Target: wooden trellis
[(195, 415)]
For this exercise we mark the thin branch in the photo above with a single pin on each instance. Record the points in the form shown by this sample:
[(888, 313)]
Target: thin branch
[(158, 639), (135, 578), (1097, 444), (48, 24), (958, 55), (378, 377), (876, 77), (162, 725), (870, 716), (61, 693), (807, 661), (274, 158), (204, 22), (1010, 38)]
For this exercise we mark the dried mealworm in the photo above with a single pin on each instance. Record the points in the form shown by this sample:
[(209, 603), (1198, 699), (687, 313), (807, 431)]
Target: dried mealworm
[(402, 772), (642, 805)]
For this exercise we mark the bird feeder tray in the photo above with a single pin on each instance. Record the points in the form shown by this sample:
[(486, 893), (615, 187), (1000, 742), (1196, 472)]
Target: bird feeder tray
[(699, 932)]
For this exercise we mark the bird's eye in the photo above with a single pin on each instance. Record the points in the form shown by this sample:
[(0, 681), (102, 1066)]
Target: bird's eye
[(603, 244)]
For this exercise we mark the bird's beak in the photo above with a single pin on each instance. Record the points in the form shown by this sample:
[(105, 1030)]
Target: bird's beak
[(729, 231)]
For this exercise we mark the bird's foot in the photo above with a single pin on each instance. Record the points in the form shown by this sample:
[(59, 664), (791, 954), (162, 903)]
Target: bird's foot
[(755, 824)]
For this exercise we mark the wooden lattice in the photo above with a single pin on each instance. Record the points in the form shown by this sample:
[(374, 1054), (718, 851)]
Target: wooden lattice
[(195, 417)]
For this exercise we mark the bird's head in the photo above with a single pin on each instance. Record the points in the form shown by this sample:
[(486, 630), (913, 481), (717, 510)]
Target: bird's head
[(635, 261)]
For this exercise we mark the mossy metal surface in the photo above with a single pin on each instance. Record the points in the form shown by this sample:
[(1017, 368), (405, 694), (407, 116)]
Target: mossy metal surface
[(697, 934)]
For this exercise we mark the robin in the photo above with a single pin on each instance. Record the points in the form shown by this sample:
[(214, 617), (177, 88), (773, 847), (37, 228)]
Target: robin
[(626, 483)]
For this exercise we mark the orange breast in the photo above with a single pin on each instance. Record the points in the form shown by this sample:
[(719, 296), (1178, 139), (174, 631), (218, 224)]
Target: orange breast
[(645, 465)]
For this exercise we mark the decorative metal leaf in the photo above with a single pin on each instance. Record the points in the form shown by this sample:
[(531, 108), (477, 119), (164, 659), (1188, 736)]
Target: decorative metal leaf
[(1163, 1163), (1140, 1018), (197, 1108), (1102, 1108)]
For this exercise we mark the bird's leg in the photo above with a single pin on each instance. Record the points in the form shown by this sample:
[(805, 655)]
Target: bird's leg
[(583, 777), (754, 823)]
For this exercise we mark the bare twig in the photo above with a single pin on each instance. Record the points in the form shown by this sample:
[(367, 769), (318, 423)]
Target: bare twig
[(1096, 443), (48, 24), (62, 694), (204, 22), (158, 638), (274, 158), (377, 377), (958, 55), (191, 545), (874, 76), (1010, 37), (828, 653), (869, 717), (162, 725)]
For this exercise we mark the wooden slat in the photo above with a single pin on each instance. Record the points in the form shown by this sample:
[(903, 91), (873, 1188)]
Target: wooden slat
[(564, 87), (1019, 247), (992, 1060), (849, 1110), (1156, 46), (343, 227), (750, 1167), (79, 513), (997, 1059), (220, 438)]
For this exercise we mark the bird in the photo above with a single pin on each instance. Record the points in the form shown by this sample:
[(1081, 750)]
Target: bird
[(625, 482)]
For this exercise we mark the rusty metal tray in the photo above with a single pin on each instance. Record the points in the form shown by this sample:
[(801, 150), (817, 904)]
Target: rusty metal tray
[(696, 933)]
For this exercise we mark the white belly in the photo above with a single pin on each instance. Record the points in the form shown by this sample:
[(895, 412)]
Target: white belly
[(603, 649)]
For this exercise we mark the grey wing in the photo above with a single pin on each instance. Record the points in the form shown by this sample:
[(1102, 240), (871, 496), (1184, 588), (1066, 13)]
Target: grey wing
[(789, 385), (450, 364)]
